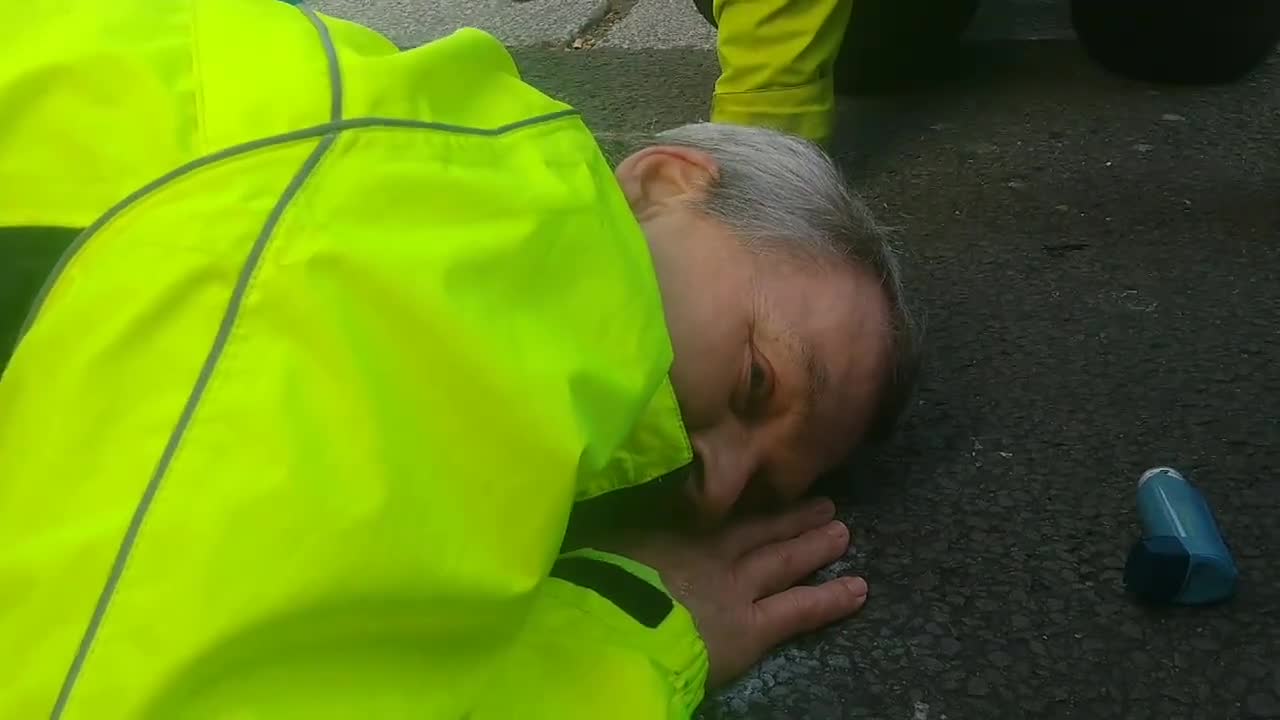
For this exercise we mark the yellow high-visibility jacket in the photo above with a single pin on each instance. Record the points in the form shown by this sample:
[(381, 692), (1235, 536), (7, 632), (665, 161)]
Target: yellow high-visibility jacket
[(295, 426), (777, 63)]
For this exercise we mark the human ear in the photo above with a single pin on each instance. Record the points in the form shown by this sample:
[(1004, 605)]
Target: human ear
[(662, 174)]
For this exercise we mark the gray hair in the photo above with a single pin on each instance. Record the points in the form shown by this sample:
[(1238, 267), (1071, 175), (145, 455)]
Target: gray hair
[(780, 193)]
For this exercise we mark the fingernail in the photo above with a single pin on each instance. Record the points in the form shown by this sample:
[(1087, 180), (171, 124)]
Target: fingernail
[(837, 529), (857, 586)]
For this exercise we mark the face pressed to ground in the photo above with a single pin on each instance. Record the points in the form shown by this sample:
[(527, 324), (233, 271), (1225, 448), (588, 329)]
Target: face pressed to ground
[(778, 358)]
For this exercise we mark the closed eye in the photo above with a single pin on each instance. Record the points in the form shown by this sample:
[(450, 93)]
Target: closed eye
[(758, 380), (759, 384)]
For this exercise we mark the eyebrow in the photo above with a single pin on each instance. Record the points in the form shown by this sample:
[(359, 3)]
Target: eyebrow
[(816, 377)]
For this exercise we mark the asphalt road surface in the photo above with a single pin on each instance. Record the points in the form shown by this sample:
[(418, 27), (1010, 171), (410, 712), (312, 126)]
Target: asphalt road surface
[(1099, 263)]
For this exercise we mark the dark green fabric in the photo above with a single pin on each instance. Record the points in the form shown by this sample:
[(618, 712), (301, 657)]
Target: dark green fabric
[(27, 256)]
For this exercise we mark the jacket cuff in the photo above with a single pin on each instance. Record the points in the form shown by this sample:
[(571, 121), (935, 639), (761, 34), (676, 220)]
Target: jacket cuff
[(808, 111), (631, 599)]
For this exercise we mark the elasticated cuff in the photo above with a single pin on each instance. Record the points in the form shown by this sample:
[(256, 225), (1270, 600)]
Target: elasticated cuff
[(807, 110), (659, 627)]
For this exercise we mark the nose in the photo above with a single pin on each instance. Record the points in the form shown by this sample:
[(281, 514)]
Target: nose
[(718, 479)]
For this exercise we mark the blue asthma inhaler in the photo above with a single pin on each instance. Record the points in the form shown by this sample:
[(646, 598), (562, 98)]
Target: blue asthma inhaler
[(1181, 558)]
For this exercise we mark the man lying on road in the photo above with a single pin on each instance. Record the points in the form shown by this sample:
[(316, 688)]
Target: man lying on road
[(296, 426)]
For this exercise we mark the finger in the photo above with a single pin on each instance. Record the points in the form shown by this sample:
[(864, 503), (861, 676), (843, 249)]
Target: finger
[(756, 532), (807, 608), (777, 566)]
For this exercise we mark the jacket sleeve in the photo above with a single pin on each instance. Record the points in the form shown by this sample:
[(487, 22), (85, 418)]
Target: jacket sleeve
[(603, 639), (777, 59)]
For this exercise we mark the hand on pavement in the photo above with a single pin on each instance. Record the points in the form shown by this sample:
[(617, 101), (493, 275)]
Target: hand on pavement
[(740, 584)]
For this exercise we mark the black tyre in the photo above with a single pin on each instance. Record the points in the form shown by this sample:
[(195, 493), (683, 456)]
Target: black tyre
[(1178, 41), (894, 44)]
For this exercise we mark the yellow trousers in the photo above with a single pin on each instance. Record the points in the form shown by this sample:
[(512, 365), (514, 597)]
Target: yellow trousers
[(776, 63)]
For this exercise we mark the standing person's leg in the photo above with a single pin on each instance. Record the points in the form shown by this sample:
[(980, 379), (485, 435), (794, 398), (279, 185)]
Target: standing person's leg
[(776, 61)]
